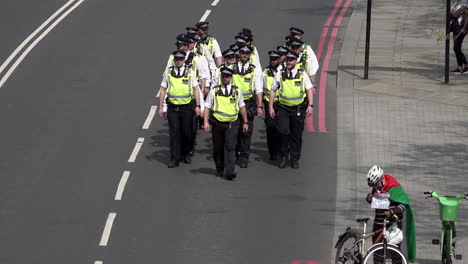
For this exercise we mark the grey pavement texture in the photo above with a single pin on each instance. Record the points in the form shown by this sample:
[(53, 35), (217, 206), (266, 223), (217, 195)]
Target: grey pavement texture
[(403, 118)]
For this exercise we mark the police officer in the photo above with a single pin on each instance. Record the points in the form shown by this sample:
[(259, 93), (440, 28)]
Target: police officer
[(248, 37), (295, 101), (183, 102), (223, 106), (209, 41), (268, 77), (249, 79), (305, 55)]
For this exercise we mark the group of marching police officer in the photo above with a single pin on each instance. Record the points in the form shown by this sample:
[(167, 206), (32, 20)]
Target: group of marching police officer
[(223, 92)]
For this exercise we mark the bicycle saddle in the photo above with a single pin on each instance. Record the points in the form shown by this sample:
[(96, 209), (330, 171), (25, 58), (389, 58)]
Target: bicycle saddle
[(360, 220)]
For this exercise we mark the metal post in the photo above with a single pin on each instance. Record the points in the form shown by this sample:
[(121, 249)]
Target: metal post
[(447, 43), (368, 28)]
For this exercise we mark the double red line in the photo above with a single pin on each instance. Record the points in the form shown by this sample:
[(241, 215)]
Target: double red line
[(326, 61)]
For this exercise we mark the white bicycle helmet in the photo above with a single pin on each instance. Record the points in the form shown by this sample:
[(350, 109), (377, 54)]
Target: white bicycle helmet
[(394, 234), (374, 175)]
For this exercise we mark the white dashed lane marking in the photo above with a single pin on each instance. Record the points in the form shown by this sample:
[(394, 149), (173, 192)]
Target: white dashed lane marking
[(150, 117), (121, 188), (205, 16), (215, 2), (107, 229), (136, 149)]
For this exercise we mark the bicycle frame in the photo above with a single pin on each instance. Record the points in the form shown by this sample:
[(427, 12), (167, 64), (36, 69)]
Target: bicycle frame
[(361, 242), (448, 215)]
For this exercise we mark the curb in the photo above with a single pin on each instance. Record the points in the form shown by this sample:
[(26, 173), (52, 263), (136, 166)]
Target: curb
[(346, 193)]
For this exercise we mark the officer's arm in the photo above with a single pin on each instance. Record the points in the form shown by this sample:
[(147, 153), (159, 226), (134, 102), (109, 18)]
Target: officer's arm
[(310, 96), (197, 95), (243, 113)]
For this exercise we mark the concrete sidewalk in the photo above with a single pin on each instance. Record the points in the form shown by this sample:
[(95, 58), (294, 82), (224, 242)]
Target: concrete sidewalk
[(403, 118)]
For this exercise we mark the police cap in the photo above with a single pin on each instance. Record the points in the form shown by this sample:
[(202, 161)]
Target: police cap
[(291, 55), (181, 39), (225, 71), (296, 42), (274, 54), (202, 24), (283, 50), (229, 53), (191, 30), (179, 54), (245, 49), (296, 31), (191, 38)]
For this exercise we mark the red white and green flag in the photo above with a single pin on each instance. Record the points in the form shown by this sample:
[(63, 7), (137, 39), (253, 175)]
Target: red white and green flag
[(398, 194)]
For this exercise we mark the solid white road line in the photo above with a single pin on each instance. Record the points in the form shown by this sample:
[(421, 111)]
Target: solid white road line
[(97, 262), (34, 43), (207, 13), (215, 2), (150, 117), (121, 188), (32, 35), (107, 230), (159, 92), (136, 149)]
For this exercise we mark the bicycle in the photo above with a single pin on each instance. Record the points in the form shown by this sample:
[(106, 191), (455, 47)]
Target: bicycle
[(356, 251), (448, 210)]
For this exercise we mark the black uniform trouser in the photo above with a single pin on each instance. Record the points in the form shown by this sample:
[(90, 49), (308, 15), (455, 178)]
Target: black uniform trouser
[(245, 139), (272, 133), (457, 48), (290, 125), (224, 145), (378, 256), (180, 118)]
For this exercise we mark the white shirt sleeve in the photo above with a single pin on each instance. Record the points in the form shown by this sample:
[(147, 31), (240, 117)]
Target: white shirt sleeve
[(307, 82), (313, 62), (276, 80), (258, 81), (202, 65), (209, 99), (217, 49), (164, 79), (241, 100), (257, 60), (214, 78)]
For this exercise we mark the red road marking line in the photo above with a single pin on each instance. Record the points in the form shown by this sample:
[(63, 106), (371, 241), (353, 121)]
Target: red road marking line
[(333, 13), (342, 13), (323, 81), (322, 42)]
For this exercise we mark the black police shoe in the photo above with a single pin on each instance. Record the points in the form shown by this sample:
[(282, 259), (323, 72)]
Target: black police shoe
[(230, 177), (187, 159), (274, 156), (243, 162), (294, 163), (282, 163), (173, 164)]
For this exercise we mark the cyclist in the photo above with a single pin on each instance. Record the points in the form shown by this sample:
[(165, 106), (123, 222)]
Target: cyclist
[(391, 201)]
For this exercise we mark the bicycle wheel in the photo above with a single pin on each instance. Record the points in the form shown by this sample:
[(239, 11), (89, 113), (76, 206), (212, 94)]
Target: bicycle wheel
[(347, 251), (446, 258), (375, 255)]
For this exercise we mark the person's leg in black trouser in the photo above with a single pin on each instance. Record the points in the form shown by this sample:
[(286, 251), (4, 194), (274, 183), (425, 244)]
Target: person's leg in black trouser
[(283, 127), (295, 139), (175, 138), (230, 142), (272, 134), (186, 123), (217, 134), (245, 139), (457, 48)]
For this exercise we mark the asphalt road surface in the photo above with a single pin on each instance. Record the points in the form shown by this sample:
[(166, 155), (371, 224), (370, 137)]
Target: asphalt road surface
[(73, 110)]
